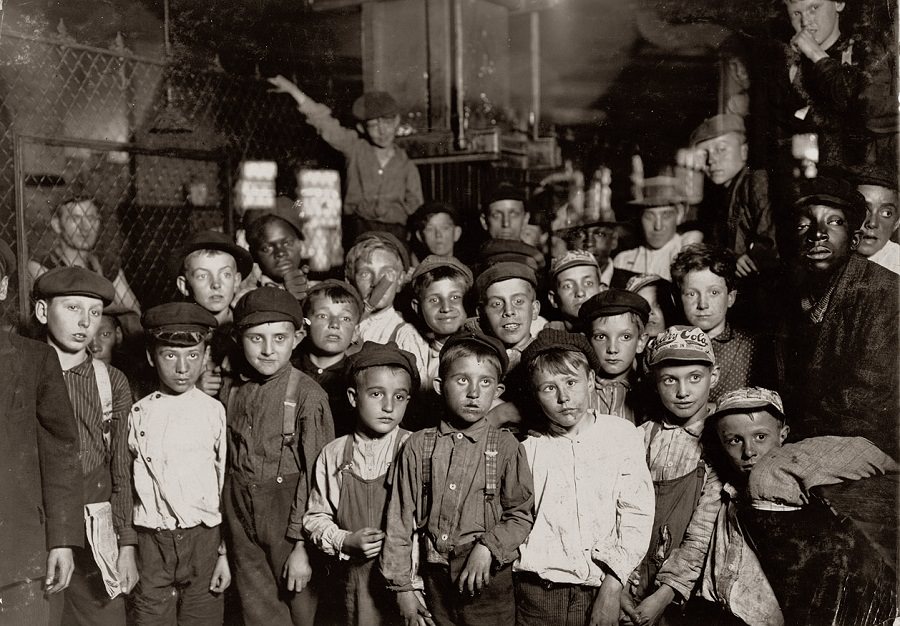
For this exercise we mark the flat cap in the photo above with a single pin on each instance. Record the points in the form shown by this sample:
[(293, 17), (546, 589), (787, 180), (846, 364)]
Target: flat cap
[(636, 283), (178, 316), (749, 398), (7, 259), (384, 354), (499, 250), (572, 258), (613, 302), (716, 126), (680, 343), (469, 336), (333, 284), (390, 240), (506, 191), (435, 261), (549, 340), (73, 281), (373, 105), (214, 240), (875, 174), (833, 192), (504, 270), (268, 304), (660, 191), (423, 213)]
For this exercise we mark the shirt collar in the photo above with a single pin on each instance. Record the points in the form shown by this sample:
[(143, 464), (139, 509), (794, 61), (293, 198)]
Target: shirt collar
[(473, 433), (84, 368), (694, 430), (726, 335)]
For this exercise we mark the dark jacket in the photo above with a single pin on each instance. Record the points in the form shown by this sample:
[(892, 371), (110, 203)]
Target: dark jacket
[(40, 484)]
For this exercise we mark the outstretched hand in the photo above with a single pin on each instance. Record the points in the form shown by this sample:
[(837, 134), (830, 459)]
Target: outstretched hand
[(281, 84)]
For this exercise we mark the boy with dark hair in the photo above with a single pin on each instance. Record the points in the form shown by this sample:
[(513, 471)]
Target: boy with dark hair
[(504, 215), (345, 516), (574, 278), (69, 302), (332, 310), (437, 227), (614, 323), (177, 439), (41, 491), (278, 422), (705, 277), (276, 243), (464, 489), (383, 184), (593, 495)]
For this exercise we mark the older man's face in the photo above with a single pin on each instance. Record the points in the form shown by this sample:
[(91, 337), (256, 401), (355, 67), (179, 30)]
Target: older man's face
[(78, 225), (825, 238)]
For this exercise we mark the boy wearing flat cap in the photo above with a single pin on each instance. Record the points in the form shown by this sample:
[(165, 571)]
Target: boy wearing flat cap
[(614, 322), (847, 313), (41, 510), (593, 496), (574, 278), (504, 214), (508, 304), (743, 222), (464, 489), (278, 421), (69, 302), (177, 440), (383, 184), (879, 188), (683, 366), (345, 514)]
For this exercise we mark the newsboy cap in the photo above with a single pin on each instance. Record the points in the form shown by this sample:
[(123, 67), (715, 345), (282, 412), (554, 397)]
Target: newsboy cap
[(550, 339), (749, 398), (716, 126), (390, 240), (504, 270), (178, 317), (373, 105), (268, 304), (833, 192), (477, 337), (384, 354), (435, 261), (73, 281), (680, 343), (214, 240), (613, 302)]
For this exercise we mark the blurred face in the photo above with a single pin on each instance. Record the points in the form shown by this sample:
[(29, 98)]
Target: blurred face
[(441, 306), (178, 368), (439, 234), (331, 325), (72, 321), (505, 219), (534, 236), (657, 322), (382, 265), (510, 307), (726, 156), (573, 287), (268, 347), (564, 398), (825, 239), (684, 389), (108, 335), (706, 300), (882, 218), (616, 340), (747, 437), (602, 241), (210, 279), (78, 225), (280, 250), (380, 398), (469, 388), (659, 225), (381, 131), (820, 18)]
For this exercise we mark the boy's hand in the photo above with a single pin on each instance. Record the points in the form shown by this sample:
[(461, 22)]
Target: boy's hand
[(210, 381), (413, 610), (476, 575), (296, 284), (283, 85), (221, 576), (297, 571), (379, 291), (651, 609), (806, 44), (60, 565), (365, 542), (605, 611), (126, 567), (627, 616), (746, 266)]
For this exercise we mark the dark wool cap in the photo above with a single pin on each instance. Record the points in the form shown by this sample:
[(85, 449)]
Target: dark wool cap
[(877, 175), (506, 191), (178, 316), (7, 260), (469, 337), (613, 302), (214, 240), (423, 213), (499, 250), (833, 192), (390, 240), (73, 281), (268, 304), (434, 261), (384, 354), (333, 283), (503, 271), (716, 126), (550, 339), (374, 104)]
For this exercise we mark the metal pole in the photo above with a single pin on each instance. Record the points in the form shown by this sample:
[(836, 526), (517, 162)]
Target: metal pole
[(21, 239), (535, 19)]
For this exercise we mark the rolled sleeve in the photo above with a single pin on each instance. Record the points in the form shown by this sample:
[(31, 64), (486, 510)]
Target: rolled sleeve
[(319, 524), (517, 502)]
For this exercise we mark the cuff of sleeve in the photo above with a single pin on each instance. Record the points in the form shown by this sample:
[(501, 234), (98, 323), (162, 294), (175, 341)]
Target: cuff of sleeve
[(338, 542), (63, 540), (294, 531), (682, 592), (613, 562), (500, 555), (127, 538)]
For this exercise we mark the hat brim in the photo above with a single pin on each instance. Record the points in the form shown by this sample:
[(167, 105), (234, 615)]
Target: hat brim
[(743, 405), (689, 356), (267, 317), (242, 258)]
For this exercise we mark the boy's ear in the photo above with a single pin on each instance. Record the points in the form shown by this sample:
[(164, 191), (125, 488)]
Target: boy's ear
[(120, 337), (732, 296), (457, 233), (679, 213), (499, 390), (483, 221), (414, 303), (351, 396), (782, 435), (535, 309), (182, 285), (436, 385), (713, 376), (54, 224), (551, 296), (150, 359), (642, 340), (40, 310), (361, 128), (419, 236), (745, 151), (855, 238), (299, 335)]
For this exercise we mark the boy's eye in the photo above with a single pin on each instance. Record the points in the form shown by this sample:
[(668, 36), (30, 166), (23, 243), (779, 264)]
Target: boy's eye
[(462, 380), (599, 337), (519, 301), (346, 319), (627, 337), (486, 382), (668, 381), (837, 221), (401, 397), (761, 437), (695, 378), (801, 226), (732, 441), (566, 286), (495, 304), (320, 316), (374, 394), (571, 383), (715, 292)]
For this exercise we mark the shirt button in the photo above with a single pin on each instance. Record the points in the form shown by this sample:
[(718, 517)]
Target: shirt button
[(142, 433), (158, 395), (459, 435), (279, 480), (669, 464), (452, 486), (149, 459), (444, 537)]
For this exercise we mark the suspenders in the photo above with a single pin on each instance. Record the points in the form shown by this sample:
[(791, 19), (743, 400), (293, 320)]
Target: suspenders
[(490, 475), (104, 387)]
